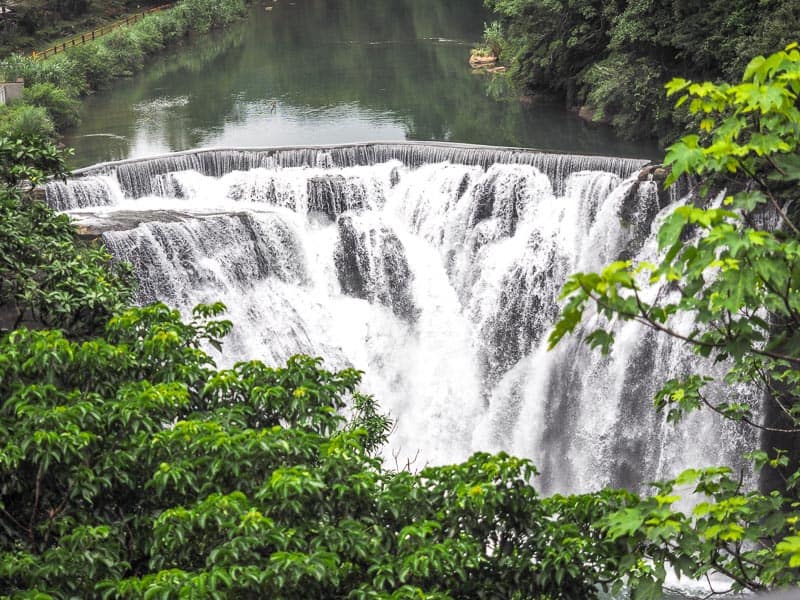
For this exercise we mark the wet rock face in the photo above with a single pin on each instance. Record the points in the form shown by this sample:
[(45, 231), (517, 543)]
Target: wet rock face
[(178, 254), (501, 197), (371, 264), (352, 262), (332, 195), (526, 307)]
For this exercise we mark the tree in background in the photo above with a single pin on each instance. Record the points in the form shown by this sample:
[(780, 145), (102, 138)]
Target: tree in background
[(616, 56)]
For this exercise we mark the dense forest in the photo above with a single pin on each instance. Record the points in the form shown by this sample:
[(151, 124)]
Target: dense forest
[(131, 466), (615, 56)]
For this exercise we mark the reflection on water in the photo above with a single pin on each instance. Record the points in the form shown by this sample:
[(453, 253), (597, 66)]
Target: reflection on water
[(323, 72)]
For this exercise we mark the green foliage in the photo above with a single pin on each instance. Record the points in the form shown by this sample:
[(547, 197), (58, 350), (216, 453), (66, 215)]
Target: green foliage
[(747, 536), (94, 62), (47, 277), (90, 67), (735, 268), (29, 159), (615, 56), (205, 15), (628, 91), (62, 108), (131, 467), (60, 71), (19, 120), (126, 52), (549, 43)]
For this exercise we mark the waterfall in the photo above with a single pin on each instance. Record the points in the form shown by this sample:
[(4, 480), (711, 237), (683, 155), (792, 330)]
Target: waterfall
[(138, 177), (434, 268)]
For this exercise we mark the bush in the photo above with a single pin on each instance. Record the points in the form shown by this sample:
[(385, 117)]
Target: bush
[(205, 15), (148, 36), (126, 55), (21, 120), (49, 278), (64, 110), (94, 61), (60, 70), (170, 24)]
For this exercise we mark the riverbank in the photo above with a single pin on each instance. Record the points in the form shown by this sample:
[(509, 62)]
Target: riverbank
[(55, 86), (613, 63), (29, 27)]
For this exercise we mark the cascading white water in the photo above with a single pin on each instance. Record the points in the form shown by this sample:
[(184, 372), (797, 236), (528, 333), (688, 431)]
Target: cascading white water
[(436, 270)]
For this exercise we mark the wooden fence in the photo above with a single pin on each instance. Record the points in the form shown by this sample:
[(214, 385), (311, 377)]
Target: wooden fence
[(85, 38)]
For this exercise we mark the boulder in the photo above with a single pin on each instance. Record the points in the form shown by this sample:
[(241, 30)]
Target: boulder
[(477, 61)]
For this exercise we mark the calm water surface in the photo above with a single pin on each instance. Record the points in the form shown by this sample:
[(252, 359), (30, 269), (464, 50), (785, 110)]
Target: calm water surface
[(323, 72)]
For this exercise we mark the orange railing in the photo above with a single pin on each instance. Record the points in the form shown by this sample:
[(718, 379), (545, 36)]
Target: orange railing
[(85, 38)]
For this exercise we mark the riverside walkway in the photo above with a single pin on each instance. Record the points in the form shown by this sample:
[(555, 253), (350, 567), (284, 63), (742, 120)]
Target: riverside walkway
[(90, 36)]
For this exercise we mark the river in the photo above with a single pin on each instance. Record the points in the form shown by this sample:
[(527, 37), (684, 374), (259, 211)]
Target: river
[(324, 72)]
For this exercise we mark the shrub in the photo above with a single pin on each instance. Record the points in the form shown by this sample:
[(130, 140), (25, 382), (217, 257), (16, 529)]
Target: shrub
[(21, 120), (60, 70), (94, 61), (205, 15), (147, 36), (64, 109), (126, 55), (170, 24)]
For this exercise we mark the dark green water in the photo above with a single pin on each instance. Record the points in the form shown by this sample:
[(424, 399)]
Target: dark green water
[(323, 72)]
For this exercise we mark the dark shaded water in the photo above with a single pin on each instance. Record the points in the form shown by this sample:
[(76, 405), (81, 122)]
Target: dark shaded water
[(323, 72)]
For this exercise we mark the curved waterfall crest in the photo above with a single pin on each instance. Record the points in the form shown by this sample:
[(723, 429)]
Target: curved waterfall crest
[(436, 269), (135, 175)]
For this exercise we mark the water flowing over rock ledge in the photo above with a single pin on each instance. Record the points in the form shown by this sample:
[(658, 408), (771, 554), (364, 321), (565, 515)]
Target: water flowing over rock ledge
[(135, 175)]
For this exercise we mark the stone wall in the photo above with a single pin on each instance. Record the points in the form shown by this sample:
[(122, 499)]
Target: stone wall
[(11, 91)]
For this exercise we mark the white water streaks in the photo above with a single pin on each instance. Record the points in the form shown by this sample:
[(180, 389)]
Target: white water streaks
[(436, 270)]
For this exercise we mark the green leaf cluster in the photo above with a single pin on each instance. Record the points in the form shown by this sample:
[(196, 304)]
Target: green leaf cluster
[(131, 467), (48, 278), (729, 258)]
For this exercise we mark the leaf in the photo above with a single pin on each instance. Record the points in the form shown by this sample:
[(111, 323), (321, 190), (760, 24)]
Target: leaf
[(624, 523), (670, 231), (789, 164)]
